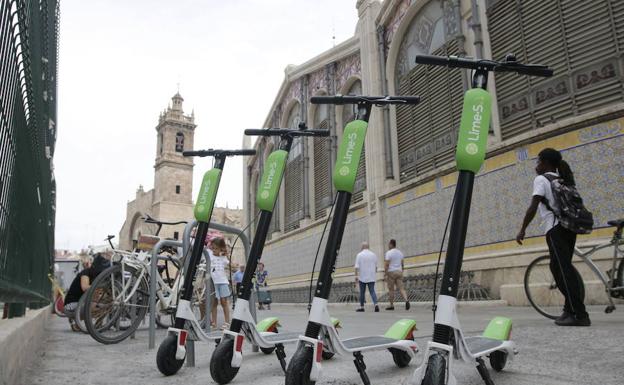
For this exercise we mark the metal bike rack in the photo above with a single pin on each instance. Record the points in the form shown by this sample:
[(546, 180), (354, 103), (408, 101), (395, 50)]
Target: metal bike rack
[(185, 244)]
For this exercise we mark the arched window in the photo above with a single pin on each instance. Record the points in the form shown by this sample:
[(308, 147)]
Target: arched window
[(348, 114), (322, 164), (293, 183), (179, 145), (427, 134)]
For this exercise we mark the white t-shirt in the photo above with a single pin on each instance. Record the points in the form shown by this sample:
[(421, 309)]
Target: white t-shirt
[(395, 256), (366, 263), (217, 269), (541, 187)]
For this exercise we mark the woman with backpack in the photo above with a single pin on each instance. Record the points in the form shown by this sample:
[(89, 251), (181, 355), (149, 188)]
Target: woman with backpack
[(553, 188)]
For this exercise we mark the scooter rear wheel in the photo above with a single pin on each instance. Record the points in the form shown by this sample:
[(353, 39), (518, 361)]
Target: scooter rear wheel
[(401, 358), (221, 368), (166, 359), (498, 359), (436, 370), (299, 367)]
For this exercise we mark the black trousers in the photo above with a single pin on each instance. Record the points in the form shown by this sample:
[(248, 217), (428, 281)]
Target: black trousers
[(561, 247)]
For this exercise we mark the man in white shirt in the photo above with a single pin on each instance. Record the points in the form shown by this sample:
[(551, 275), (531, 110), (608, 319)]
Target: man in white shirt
[(393, 268), (366, 274)]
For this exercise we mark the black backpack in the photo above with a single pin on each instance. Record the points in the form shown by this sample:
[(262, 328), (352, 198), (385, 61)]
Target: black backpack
[(571, 212)]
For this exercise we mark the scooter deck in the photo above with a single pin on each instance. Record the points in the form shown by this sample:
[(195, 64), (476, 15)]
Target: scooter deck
[(280, 338), (215, 335), (477, 345), (367, 342)]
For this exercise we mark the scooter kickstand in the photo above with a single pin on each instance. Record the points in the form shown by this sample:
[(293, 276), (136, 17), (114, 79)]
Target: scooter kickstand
[(361, 367), (485, 374), (281, 356)]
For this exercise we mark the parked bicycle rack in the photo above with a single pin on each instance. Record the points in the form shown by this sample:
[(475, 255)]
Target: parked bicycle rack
[(185, 244)]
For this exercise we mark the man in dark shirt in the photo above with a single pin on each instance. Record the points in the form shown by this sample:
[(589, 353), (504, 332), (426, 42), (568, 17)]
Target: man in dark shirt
[(81, 284)]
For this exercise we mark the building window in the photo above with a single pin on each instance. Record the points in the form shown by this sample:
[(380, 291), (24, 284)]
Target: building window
[(427, 134), (177, 189), (293, 179), (176, 235), (581, 41), (179, 146)]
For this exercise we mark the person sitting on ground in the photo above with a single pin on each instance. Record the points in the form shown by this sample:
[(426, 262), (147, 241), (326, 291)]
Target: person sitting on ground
[(81, 284), (394, 267), (219, 263), (365, 274)]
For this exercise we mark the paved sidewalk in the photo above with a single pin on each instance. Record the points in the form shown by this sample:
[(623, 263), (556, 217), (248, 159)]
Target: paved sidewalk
[(548, 355)]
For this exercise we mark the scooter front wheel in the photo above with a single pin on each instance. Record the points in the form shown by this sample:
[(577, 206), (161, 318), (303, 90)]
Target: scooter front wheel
[(299, 367), (435, 374), (166, 359), (401, 357), (221, 368)]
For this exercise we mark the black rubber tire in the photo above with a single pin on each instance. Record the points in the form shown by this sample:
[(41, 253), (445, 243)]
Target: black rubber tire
[(79, 315), (140, 303), (327, 355), (552, 314), (268, 351), (498, 359), (620, 277), (299, 367), (435, 374), (401, 358), (166, 359), (221, 368)]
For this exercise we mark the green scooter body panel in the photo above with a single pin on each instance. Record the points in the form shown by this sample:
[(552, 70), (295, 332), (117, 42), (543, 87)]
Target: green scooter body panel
[(269, 186), (499, 328), (349, 153), (473, 130), (266, 324), (207, 195), (401, 329)]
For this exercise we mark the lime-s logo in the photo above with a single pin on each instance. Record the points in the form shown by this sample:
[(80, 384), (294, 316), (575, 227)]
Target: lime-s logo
[(348, 158), (344, 171), (475, 129), (264, 194), (472, 148), (270, 176), (203, 197)]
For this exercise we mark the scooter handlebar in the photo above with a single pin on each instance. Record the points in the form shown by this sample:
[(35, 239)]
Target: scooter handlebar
[(284, 131), (211, 152), (356, 99)]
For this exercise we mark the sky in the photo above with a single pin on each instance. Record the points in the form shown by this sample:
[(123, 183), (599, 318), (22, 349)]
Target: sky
[(120, 62)]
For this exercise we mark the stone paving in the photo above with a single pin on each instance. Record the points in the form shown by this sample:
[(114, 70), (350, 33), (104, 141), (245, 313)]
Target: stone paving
[(548, 355)]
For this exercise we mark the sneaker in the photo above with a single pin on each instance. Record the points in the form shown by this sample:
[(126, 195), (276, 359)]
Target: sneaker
[(563, 315), (570, 320), (407, 305), (376, 309), (361, 309), (390, 308)]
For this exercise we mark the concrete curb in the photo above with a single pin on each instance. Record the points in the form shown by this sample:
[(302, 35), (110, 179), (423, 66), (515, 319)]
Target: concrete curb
[(21, 341), (399, 305)]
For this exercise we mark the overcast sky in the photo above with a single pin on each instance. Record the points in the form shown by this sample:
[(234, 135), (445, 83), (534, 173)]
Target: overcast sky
[(119, 65)]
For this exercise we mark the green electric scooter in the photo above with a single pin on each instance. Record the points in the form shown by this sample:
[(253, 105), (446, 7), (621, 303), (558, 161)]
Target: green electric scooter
[(448, 339)]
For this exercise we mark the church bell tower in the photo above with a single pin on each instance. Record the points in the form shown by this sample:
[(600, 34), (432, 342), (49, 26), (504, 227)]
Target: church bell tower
[(173, 176)]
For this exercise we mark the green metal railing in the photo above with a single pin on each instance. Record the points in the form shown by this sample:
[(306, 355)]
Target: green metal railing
[(28, 82)]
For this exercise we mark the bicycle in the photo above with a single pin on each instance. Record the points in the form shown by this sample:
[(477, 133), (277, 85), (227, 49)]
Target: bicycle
[(542, 291)]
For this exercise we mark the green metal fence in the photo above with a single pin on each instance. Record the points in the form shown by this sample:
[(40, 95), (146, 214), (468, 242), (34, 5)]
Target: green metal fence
[(28, 79)]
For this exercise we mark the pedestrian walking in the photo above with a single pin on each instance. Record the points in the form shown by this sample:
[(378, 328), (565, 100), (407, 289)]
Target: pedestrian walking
[(393, 269), (264, 296), (236, 281), (551, 167), (218, 265), (366, 274)]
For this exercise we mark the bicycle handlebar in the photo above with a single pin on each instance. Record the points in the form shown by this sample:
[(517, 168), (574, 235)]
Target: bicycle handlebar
[(284, 131), (356, 99), (211, 152), (508, 65), (149, 219)]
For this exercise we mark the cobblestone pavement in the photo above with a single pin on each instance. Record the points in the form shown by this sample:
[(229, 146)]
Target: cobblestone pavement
[(548, 355)]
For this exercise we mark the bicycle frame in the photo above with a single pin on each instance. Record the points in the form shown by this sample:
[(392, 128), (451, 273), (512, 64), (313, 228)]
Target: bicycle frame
[(586, 257)]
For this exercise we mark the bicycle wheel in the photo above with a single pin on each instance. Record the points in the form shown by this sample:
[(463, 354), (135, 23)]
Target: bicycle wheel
[(620, 277), (79, 315), (541, 289), (116, 304)]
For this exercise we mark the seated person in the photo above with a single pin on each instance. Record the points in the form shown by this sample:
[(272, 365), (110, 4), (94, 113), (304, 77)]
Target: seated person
[(81, 284)]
